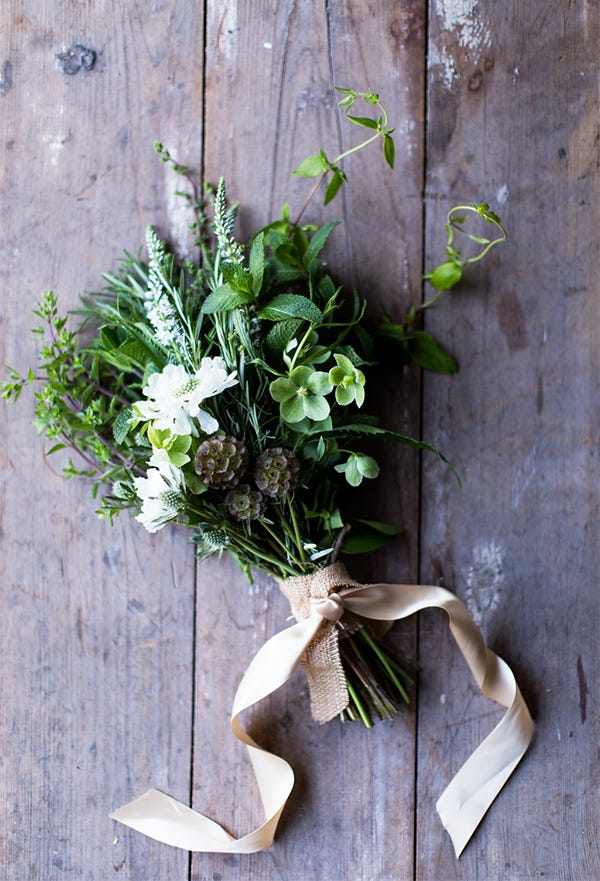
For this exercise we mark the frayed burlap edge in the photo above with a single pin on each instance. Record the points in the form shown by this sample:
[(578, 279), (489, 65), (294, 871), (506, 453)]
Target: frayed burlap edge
[(321, 660)]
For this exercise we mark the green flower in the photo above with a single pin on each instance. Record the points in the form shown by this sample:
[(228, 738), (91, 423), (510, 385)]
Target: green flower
[(302, 394), (349, 382), (169, 447), (357, 466)]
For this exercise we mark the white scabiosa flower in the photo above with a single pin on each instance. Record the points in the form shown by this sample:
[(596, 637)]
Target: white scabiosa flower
[(174, 396), (161, 493)]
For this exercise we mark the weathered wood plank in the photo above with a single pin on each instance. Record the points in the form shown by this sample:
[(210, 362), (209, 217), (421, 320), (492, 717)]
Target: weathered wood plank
[(270, 71), (96, 623), (513, 119)]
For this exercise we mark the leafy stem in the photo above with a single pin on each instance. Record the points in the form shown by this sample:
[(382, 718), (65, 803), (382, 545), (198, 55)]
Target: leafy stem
[(320, 166)]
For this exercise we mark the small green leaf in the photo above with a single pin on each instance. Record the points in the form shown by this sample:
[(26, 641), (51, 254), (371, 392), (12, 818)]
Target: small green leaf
[(364, 121), (194, 484), (224, 299), (318, 241), (446, 275), (312, 166), (379, 526), (359, 541), (424, 351), (291, 306), (280, 335), (257, 263), (55, 449), (389, 150), (122, 424), (333, 188)]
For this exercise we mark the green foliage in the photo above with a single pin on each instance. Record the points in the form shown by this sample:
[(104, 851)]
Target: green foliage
[(286, 355)]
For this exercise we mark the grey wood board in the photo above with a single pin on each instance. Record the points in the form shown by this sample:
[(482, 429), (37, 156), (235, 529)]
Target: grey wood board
[(106, 688)]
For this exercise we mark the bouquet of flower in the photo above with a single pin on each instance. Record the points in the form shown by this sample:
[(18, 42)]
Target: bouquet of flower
[(230, 396)]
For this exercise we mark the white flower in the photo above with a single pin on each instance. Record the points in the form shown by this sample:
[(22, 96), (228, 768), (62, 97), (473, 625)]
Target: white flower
[(174, 396), (161, 493)]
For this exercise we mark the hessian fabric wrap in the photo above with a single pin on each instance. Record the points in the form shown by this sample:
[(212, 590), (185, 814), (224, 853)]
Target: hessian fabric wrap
[(318, 603)]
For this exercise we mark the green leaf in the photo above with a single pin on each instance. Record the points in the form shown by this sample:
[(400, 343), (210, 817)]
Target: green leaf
[(291, 306), (333, 187), (224, 299), (389, 150), (280, 335), (424, 351), (362, 541), (364, 121), (122, 424), (379, 526), (446, 275), (137, 352), (312, 166), (257, 263), (318, 241), (55, 449), (194, 484)]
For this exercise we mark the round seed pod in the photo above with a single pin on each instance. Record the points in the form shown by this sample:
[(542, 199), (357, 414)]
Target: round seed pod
[(221, 461), (276, 472)]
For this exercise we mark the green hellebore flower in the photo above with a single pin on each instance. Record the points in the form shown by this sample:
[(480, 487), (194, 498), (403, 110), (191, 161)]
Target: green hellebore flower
[(302, 394), (348, 380), (357, 466)]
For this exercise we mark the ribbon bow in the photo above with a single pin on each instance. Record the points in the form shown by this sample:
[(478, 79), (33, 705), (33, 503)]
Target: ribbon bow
[(322, 594), (468, 795)]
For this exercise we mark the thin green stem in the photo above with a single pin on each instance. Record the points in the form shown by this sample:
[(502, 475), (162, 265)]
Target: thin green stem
[(384, 661), (364, 715)]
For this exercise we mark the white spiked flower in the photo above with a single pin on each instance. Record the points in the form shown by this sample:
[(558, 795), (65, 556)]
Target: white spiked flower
[(161, 493), (174, 396)]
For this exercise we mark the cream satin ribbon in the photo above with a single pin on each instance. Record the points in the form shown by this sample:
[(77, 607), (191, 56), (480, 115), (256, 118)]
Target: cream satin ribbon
[(465, 800)]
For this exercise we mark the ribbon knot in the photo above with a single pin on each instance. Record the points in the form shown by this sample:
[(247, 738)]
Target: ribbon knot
[(331, 607), (320, 594)]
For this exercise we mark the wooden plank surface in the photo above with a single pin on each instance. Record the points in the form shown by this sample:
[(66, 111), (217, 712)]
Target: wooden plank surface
[(513, 119), (105, 688), (96, 623), (276, 64)]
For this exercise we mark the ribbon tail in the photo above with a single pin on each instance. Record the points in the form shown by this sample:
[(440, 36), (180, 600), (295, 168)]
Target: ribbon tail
[(466, 799), (470, 793), (167, 820)]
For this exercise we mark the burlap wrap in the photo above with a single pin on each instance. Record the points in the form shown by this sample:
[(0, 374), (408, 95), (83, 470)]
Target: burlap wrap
[(321, 660)]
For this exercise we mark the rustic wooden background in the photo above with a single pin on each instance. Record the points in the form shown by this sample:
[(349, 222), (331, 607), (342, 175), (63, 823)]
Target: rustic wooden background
[(118, 655)]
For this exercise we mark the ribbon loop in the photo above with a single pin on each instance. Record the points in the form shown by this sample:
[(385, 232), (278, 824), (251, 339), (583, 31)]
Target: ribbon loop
[(331, 607)]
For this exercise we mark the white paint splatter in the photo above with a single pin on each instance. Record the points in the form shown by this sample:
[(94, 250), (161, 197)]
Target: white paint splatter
[(443, 699), (558, 737), (467, 37), (55, 144), (525, 475), (460, 16), (503, 194), (485, 581), (515, 75), (268, 45), (439, 57)]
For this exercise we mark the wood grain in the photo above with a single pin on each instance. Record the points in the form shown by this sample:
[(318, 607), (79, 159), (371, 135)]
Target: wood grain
[(119, 658), (277, 64), (96, 624), (517, 125)]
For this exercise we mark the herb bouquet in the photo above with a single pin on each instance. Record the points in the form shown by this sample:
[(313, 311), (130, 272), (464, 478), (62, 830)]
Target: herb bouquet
[(230, 396)]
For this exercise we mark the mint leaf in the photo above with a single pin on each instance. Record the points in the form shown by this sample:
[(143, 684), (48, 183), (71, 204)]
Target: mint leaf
[(291, 306)]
